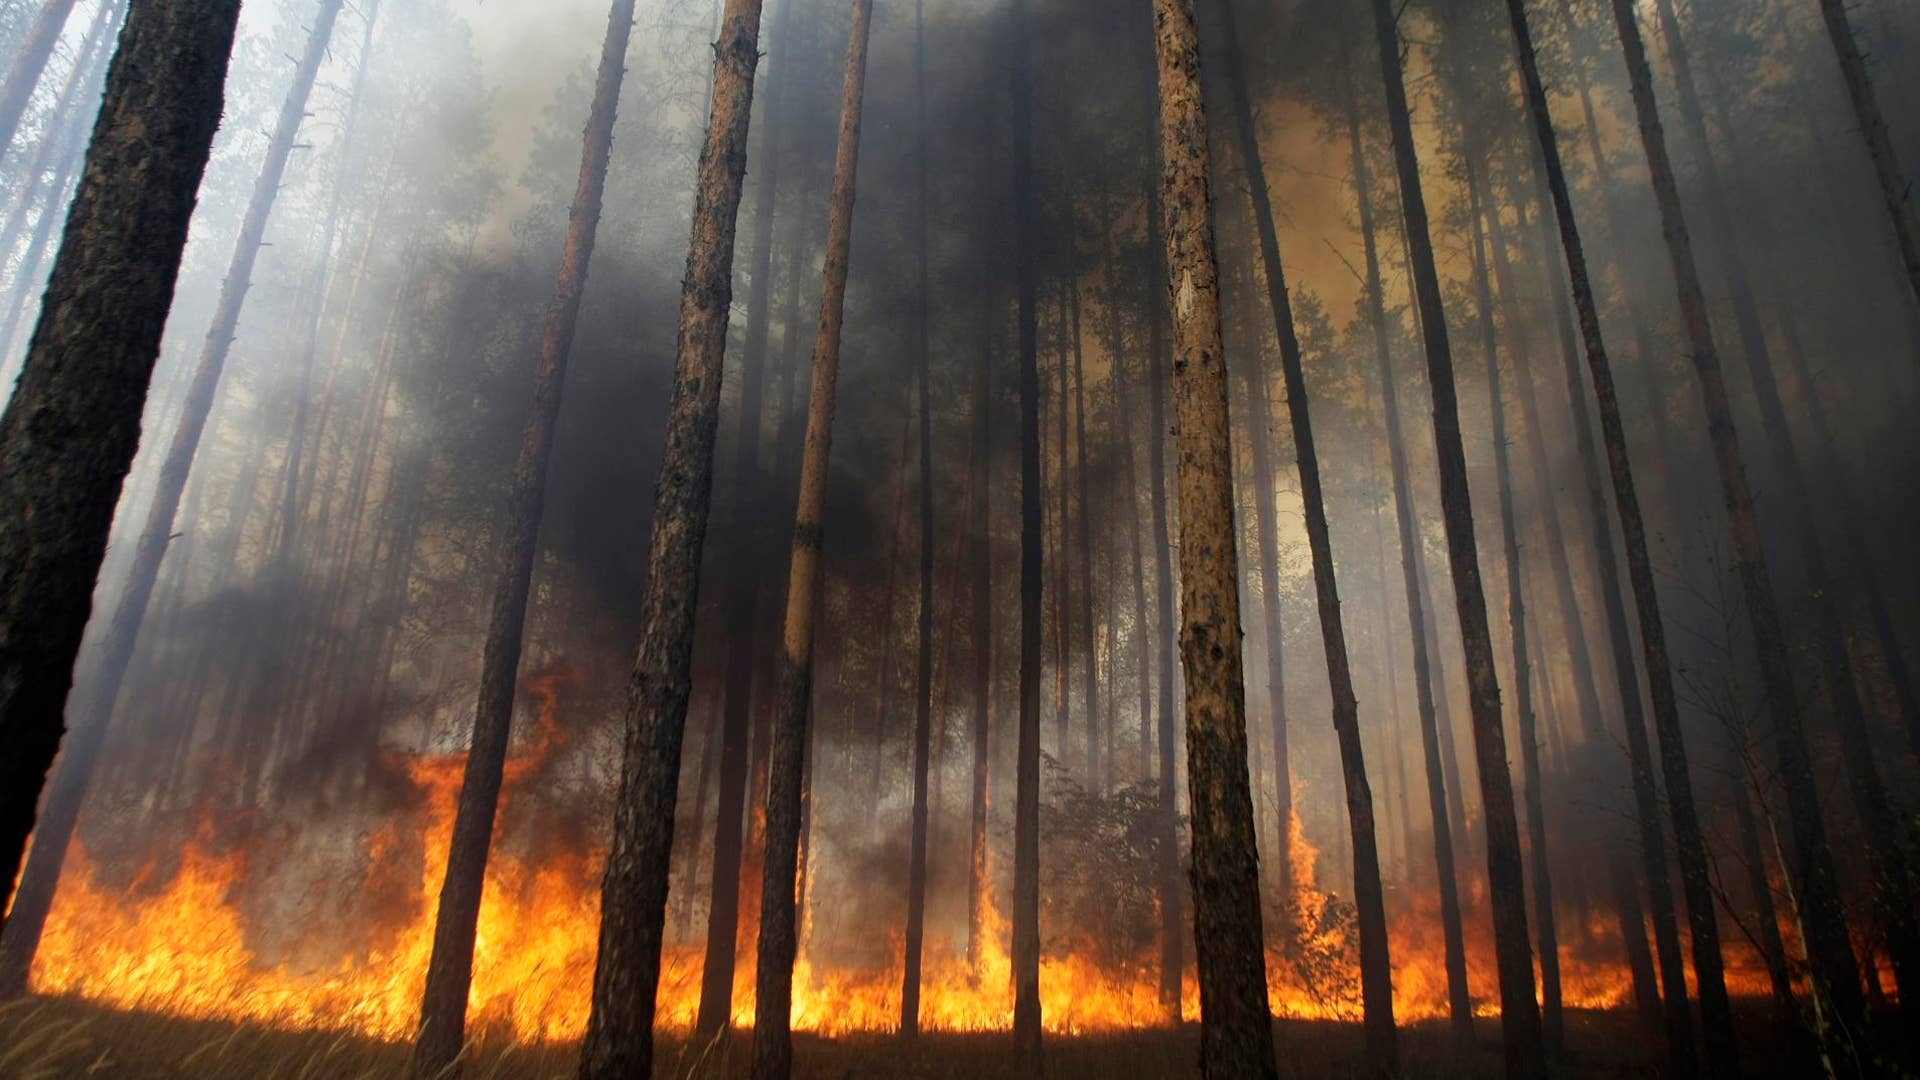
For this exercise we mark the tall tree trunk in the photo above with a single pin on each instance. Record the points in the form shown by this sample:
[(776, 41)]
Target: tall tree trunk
[(178, 40), (981, 538), (923, 688), (1519, 1011), (773, 1000), (1376, 971), (1459, 1006), (1090, 663), (1172, 925), (1830, 953), (1896, 190), (443, 1005), (1026, 811), (68, 436), (16, 91), (1552, 1020), (619, 1038), (1236, 1027)]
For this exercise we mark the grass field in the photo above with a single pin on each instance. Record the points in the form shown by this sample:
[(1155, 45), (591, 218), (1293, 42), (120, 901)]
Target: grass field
[(45, 1038)]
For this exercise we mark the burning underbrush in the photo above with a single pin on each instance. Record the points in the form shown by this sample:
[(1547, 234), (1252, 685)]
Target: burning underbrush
[(299, 926)]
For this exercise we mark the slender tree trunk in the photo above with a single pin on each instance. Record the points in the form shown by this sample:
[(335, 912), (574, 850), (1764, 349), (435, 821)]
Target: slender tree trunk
[(1376, 972), (1090, 663), (773, 1001), (1830, 953), (68, 436), (1172, 925), (1026, 813), (1236, 1028), (39, 243), (1552, 1020), (177, 41), (1896, 190), (619, 1039), (16, 91), (981, 529), (1460, 1008), (1519, 1011), (443, 1005), (923, 689)]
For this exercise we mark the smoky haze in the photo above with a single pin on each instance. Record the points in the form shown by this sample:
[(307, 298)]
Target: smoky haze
[(298, 702)]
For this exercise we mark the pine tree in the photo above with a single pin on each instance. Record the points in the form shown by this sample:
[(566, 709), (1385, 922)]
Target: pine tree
[(1236, 1028), (619, 1039), (67, 437), (443, 1004), (773, 1002)]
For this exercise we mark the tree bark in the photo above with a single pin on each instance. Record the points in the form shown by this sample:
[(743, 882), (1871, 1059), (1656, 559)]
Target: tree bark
[(923, 688), (443, 1005), (773, 1001), (1459, 1006), (1830, 953), (619, 1039), (67, 438), (1376, 971), (179, 41), (1519, 1010), (1236, 1026)]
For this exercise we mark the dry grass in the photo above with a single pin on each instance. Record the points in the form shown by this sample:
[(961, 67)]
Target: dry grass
[(44, 1039)]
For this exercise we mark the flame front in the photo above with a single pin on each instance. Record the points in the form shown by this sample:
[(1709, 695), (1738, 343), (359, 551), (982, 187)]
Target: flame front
[(185, 947)]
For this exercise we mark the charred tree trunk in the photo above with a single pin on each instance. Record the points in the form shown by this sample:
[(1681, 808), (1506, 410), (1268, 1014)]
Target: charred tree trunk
[(1236, 1027), (178, 40), (1090, 664), (773, 1001), (1376, 971), (1172, 925), (443, 1005), (981, 530), (619, 1038), (17, 89), (1896, 190), (1026, 812), (1830, 953), (1460, 1007), (923, 688), (68, 436), (1519, 1010)]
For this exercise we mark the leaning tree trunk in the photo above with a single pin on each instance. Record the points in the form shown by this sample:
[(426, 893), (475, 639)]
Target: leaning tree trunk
[(116, 645), (1886, 848), (1836, 972), (923, 688), (1519, 1010), (68, 436), (1236, 1027), (773, 1000), (443, 1005), (1376, 970), (17, 89), (1026, 809), (1896, 190), (1551, 1016), (1459, 1005), (619, 1038), (1715, 1011)]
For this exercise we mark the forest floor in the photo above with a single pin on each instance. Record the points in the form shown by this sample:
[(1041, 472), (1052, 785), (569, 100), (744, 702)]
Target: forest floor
[(45, 1039)]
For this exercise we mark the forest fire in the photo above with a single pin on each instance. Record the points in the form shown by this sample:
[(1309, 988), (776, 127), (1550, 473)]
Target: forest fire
[(179, 942), (1364, 537)]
